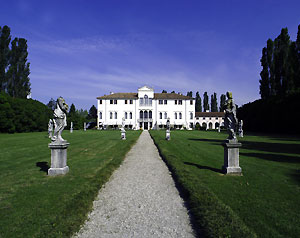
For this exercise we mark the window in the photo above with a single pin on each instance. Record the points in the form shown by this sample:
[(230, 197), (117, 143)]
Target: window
[(100, 101), (203, 118), (130, 115), (150, 101), (115, 101), (180, 102), (175, 102), (165, 101), (146, 100), (175, 115), (125, 101), (191, 102), (191, 115), (141, 114), (166, 115), (150, 114), (131, 101), (110, 115), (160, 115), (217, 118), (180, 115), (125, 115), (111, 101), (100, 115), (160, 101), (116, 115), (145, 114), (141, 101)]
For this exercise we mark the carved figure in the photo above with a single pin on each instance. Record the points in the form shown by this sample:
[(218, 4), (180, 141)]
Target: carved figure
[(50, 128), (168, 123), (231, 120), (123, 123), (60, 119)]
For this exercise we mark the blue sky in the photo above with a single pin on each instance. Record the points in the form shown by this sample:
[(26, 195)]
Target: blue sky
[(82, 49)]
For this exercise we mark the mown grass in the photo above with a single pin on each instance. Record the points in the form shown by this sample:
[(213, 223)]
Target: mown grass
[(33, 204), (264, 202)]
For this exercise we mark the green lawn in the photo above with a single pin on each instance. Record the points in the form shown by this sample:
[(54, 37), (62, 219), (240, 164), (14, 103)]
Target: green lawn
[(33, 204), (264, 202)]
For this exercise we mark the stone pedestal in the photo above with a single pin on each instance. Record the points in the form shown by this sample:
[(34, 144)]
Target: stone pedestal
[(58, 158), (123, 135), (231, 157), (168, 135)]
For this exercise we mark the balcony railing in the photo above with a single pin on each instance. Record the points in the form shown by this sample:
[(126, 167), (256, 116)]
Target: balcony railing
[(145, 120)]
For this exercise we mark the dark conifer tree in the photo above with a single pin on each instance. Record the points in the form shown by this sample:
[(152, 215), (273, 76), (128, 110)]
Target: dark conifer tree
[(164, 91), (190, 94), (5, 39), (270, 66), (205, 102), (222, 102), (92, 113), (213, 103), (264, 88), (297, 77), (198, 104), (18, 72)]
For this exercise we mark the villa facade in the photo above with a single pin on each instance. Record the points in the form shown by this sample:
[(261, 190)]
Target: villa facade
[(145, 110), (209, 120)]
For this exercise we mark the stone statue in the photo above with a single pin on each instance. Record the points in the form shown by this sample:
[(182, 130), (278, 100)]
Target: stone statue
[(60, 119), (123, 132), (123, 123), (168, 123), (241, 132), (50, 128), (231, 120)]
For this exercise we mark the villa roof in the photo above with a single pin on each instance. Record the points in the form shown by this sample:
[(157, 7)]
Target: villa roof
[(209, 114), (120, 96), (135, 96)]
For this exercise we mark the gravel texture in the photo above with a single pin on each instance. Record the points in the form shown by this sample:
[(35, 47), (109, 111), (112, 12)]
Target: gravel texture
[(139, 200)]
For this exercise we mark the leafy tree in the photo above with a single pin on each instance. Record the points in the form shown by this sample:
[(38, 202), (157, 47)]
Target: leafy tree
[(92, 114), (18, 84), (190, 94), (214, 103), (297, 78), (270, 65), (52, 104), (222, 102), (164, 91), (5, 39), (198, 104), (205, 102)]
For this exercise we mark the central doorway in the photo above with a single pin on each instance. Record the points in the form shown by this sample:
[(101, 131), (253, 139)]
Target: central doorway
[(145, 125)]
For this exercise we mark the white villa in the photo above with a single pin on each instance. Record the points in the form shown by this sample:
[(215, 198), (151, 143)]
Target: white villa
[(209, 120), (146, 110)]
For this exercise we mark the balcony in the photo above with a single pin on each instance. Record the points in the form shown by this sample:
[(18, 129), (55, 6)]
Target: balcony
[(145, 120)]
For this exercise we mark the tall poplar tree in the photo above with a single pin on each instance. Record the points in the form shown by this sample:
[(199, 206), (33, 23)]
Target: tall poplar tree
[(264, 88), (205, 102), (190, 94), (198, 104), (270, 66), (213, 103), (5, 39), (297, 77), (18, 84), (222, 102)]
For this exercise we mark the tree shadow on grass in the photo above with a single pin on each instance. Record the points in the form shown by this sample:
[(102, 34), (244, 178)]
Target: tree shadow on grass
[(204, 167), (273, 157), (43, 166), (213, 141), (271, 147), (296, 176)]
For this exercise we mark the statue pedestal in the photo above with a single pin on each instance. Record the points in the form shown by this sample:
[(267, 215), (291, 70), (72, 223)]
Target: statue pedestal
[(58, 158), (231, 157), (123, 135), (168, 135)]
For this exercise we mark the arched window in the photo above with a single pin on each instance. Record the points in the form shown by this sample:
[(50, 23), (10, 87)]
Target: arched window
[(175, 115), (141, 114), (191, 116), (210, 125), (150, 114), (166, 115), (125, 115), (130, 115), (116, 115), (160, 115), (110, 115), (180, 115), (100, 115), (145, 114)]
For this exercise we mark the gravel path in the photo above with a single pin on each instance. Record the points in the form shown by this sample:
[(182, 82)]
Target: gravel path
[(139, 200)]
